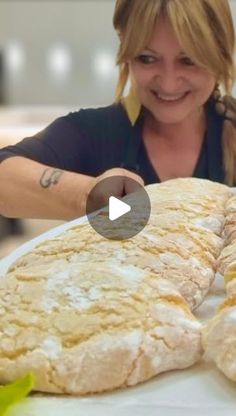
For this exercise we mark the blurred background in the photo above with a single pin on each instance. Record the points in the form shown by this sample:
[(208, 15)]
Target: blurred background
[(55, 56)]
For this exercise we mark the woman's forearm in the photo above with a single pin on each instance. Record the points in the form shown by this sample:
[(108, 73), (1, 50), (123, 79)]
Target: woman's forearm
[(29, 189)]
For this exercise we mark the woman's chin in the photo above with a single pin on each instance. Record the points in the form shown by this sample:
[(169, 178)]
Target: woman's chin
[(169, 118)]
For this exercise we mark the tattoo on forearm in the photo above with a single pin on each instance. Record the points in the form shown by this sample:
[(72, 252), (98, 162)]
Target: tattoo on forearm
[(50, 177)]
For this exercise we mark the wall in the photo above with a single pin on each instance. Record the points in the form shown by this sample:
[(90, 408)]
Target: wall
[(83, 32)]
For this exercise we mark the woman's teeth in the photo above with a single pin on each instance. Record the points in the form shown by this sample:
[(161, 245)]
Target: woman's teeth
[(170, 98)]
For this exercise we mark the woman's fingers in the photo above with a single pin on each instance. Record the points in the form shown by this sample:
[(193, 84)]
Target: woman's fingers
[(115, 182)]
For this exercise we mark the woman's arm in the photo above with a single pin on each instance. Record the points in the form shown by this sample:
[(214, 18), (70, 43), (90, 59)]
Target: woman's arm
[(29, 189)]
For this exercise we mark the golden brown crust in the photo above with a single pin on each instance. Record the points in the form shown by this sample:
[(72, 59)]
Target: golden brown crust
[(88, 307)]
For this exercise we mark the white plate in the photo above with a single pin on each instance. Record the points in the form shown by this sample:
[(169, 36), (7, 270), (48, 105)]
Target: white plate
[(200, 390)]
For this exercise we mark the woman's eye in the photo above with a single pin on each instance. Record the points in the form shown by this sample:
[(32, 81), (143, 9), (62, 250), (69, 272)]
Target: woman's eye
[(146, 59), (187, 61), (149, 59)]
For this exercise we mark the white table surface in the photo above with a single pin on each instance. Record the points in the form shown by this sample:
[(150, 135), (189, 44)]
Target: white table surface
[(199, 390)]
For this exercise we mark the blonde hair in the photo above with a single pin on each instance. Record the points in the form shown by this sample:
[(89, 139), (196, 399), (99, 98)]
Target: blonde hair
[(205, 28)]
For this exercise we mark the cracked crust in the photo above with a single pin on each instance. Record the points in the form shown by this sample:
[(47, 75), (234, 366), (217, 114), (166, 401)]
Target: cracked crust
[(183, 255), (177, 246), (219, 338), (229, 232), (94, 315), (219, 334), (227, 259), (72, 329)]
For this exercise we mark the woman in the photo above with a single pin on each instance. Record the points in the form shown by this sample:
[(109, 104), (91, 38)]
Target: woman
[(177, 55)]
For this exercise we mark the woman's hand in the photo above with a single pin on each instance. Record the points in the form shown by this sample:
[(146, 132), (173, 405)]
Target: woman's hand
[(121, 183)]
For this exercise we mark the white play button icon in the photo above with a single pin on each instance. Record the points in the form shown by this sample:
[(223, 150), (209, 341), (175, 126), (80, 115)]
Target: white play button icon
[(117, 208)]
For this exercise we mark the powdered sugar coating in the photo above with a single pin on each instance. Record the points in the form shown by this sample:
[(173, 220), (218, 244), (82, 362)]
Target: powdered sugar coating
[(89, 308)]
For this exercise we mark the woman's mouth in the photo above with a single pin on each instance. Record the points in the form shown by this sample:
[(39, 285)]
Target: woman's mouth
[(170, 99)]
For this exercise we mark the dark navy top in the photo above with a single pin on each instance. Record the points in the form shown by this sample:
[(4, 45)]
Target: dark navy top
[(90, 141)]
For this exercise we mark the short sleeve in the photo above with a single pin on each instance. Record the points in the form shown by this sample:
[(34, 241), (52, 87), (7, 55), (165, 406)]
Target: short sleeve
[(88, 141)]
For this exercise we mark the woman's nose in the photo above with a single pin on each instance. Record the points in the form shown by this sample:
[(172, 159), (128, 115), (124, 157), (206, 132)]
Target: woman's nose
[(169, 79)]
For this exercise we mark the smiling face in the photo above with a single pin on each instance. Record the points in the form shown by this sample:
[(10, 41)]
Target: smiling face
[(167, 82)]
